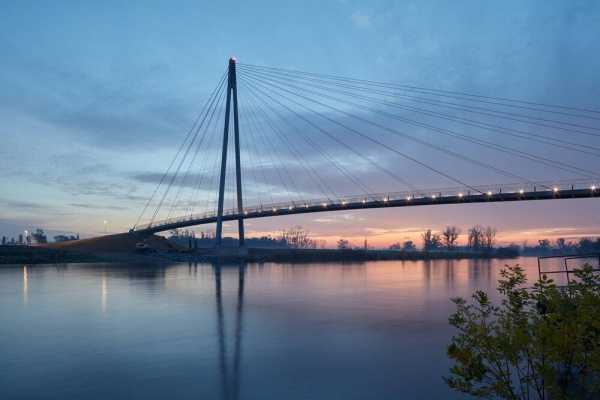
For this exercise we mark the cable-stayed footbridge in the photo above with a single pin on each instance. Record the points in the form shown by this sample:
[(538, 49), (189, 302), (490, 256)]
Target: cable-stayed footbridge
[(307, 142)]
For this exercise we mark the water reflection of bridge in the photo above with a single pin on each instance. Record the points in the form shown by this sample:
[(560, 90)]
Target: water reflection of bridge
[(230, 383)]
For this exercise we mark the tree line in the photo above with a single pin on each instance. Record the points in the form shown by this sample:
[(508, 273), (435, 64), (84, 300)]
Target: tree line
[(478, 238)]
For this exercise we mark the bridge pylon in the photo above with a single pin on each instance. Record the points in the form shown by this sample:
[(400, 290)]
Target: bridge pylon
[(231, 96)]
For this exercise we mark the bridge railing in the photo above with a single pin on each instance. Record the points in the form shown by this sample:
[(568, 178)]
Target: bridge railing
[(383, 197)]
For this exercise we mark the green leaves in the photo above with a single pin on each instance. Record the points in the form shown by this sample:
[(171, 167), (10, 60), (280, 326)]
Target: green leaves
[(539, 343)]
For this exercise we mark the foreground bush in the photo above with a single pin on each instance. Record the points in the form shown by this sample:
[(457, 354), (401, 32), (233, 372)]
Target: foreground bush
[(538, 343)]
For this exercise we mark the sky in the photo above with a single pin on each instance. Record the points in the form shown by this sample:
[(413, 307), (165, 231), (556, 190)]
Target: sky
[(97, 97)]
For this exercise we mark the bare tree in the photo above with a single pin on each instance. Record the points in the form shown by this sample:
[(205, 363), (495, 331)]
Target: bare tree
[(431, 240), (475, 237), (297, 237), (489, 237), (343, 244), (450, 235)]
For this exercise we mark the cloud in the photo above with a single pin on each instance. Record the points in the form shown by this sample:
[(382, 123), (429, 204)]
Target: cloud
[(361, 20), (97, 207), (116, 112), (387, 231), (24, 205)]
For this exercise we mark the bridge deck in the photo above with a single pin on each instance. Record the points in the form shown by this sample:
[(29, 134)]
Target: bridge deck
[(403, 199)]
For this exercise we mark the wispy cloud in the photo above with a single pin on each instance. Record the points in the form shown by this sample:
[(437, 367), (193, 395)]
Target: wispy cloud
[(97, 207), (24, 204)]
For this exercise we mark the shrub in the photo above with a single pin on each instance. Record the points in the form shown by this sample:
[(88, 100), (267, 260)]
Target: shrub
[(538, 343)]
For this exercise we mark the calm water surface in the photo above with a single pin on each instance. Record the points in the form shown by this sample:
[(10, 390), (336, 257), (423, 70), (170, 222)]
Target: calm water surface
[(373, 330)]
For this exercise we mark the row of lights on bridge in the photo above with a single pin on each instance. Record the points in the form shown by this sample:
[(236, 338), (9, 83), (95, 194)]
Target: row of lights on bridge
[(555, 189)]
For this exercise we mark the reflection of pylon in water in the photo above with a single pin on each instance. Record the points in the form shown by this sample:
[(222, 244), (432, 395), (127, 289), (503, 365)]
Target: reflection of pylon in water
[(229, 391)]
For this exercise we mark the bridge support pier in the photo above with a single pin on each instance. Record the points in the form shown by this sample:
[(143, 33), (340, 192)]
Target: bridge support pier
[(231, 95)]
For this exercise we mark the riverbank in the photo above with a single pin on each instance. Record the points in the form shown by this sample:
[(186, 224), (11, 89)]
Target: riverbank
[(42, 255), (125, 247)]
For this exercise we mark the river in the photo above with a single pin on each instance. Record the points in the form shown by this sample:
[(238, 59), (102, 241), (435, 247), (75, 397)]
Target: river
[(375, 330)]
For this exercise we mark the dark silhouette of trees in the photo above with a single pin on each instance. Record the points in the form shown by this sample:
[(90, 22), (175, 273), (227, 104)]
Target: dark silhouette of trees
[(297, 237), (409, 246), (489, 237), (406, 246), (39, 236), (431, 240), (480, 237), (450, 236), (588, 245), (65, 238), (343, 244), (544, 244), (475, 237)]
